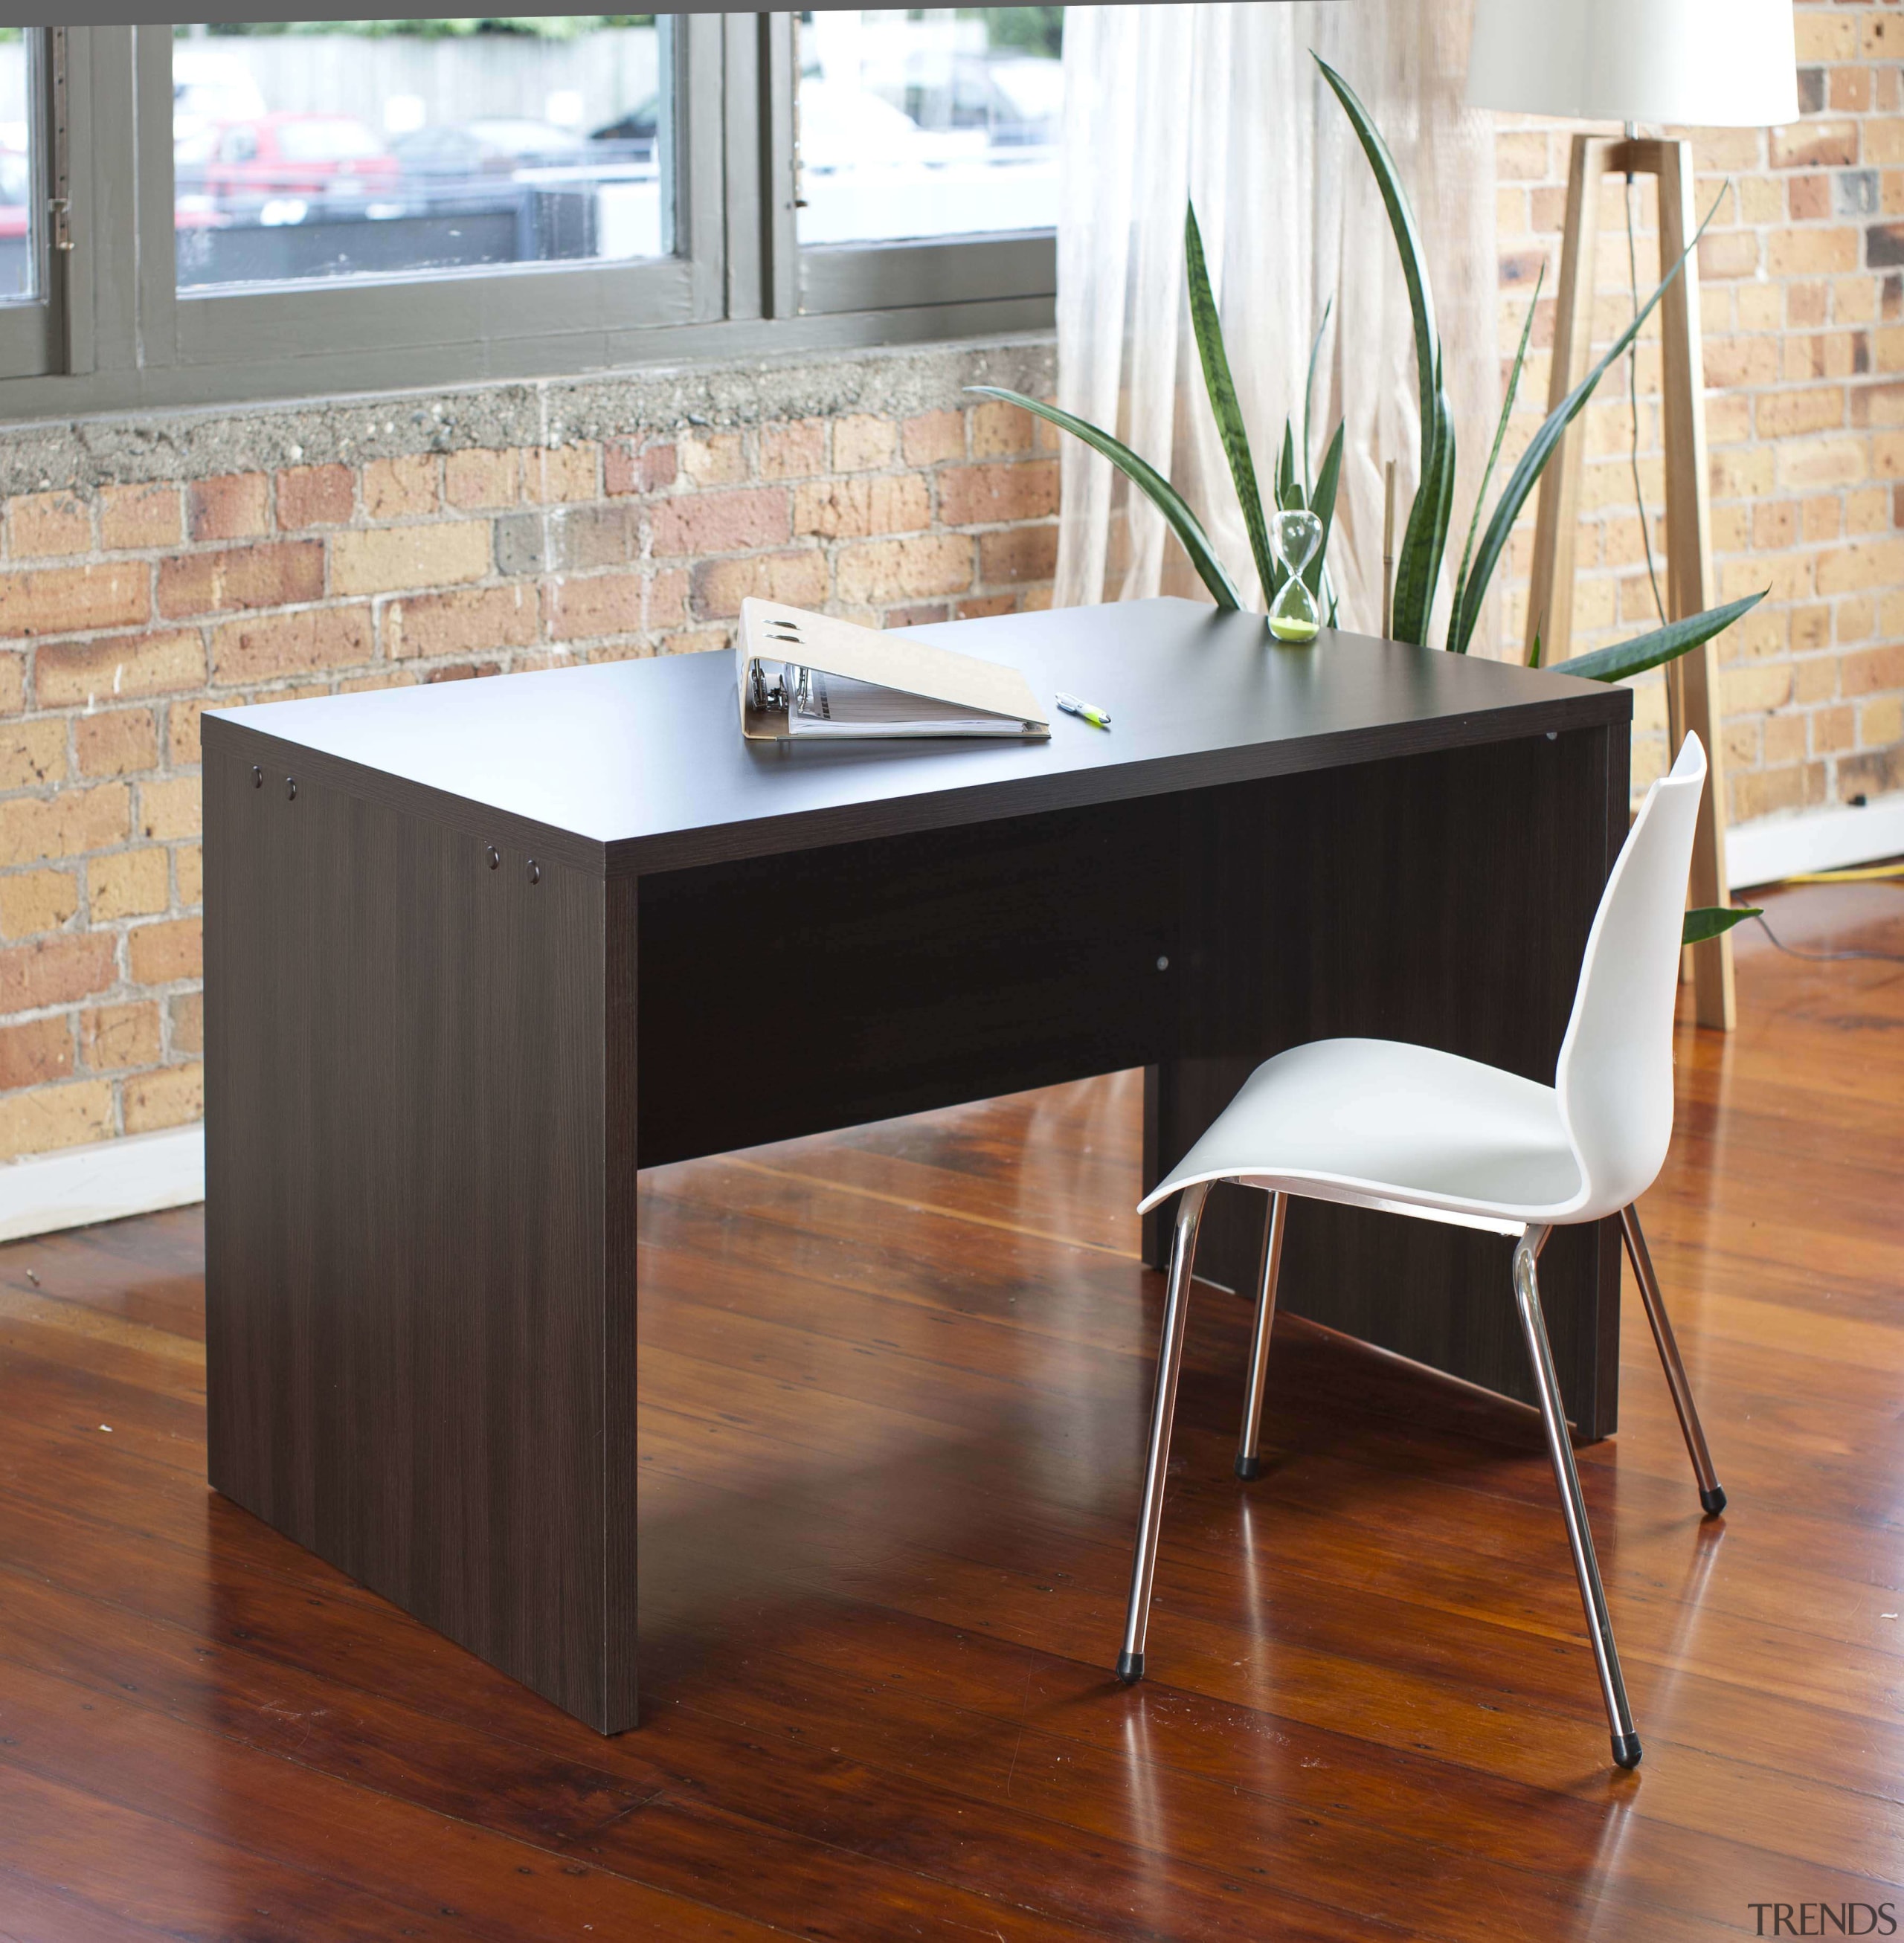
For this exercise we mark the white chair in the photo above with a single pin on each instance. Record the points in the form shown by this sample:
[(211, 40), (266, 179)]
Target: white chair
[(1377, 1124)]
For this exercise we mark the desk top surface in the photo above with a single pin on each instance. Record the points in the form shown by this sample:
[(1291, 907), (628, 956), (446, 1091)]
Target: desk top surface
[(640, 765)]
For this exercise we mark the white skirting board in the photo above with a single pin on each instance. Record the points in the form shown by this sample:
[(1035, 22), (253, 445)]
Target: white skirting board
[(1772, 847), (104, 1182)]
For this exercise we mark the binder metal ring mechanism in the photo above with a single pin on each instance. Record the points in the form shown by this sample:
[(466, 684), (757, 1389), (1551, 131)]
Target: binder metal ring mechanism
[(805, 675)]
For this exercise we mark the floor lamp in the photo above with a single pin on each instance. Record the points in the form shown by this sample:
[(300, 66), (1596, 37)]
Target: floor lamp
[(1698, 63)]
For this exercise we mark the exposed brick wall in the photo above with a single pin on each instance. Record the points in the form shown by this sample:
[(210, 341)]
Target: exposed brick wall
[(128, 607), (1802, 283)]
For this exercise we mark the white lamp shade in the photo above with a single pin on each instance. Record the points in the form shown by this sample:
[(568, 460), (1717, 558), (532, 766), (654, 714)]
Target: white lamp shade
[(1697, 63)]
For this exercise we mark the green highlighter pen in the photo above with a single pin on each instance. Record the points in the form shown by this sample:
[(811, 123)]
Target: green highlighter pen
[(1071, 705)]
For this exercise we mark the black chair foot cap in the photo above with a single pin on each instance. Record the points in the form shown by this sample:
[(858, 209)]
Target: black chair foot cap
[(1130, 1667), (1625, 1750), (1249, 1467), (1714, 1501)]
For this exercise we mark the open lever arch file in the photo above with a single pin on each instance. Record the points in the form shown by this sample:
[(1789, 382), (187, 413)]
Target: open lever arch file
[(808, 675)]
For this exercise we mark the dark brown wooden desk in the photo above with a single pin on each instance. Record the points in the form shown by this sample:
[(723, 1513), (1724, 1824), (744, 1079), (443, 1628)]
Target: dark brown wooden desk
[(476, 953)]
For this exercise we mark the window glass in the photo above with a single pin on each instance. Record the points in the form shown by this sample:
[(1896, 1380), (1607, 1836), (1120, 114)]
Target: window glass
[(17, 131), (940, 121), (346, 148)]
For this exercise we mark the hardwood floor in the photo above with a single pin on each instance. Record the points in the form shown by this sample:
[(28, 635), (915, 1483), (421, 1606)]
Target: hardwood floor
[(893, 1386)]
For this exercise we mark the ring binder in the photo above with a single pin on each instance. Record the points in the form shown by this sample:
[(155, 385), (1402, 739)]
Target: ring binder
[(804, 675)]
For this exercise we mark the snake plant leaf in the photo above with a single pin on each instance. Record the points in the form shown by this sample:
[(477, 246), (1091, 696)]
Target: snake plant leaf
[(1461, 622), (1207, 328), (1663, 644), (1419, 566), (1715, 921), (1288, 494), (1532, 462), (1533, 652), (1323, 506), (1146, 478), (1308, 397)]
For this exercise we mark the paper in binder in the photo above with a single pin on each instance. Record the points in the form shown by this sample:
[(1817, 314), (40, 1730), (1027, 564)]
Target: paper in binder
[(809, 676)]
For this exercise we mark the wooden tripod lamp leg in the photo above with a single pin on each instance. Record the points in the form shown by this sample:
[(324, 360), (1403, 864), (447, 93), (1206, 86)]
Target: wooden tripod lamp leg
[(1693, 681)]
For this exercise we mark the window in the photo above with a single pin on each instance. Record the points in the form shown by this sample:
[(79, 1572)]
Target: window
[(280, 210), (943, 123), (327, 151)]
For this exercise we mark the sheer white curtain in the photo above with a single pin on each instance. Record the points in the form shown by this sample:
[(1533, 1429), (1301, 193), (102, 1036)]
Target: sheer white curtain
[(1223, 104)]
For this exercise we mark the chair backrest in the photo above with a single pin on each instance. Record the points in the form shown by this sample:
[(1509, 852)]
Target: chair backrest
[(1615, 1076)]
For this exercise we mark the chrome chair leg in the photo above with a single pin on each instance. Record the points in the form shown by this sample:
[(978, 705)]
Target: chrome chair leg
[(1248, 1465), (1711, 1498), (1163, 1408), (1572, 1508)]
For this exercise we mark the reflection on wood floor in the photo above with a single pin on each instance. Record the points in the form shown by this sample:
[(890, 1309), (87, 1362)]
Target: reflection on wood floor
[(893, 1390)]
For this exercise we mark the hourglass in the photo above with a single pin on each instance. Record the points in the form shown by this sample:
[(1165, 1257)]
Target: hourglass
[(1293, 537)]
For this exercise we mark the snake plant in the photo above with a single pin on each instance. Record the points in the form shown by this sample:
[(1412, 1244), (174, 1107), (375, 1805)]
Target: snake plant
[(1424, 540)]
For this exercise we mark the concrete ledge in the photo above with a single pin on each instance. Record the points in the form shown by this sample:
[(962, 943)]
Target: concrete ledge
[(1774, 847), (104, 1182)]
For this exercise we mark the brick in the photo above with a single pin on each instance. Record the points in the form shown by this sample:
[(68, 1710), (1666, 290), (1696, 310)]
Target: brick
[(1760, 792), (667, 597), (1824, 34), (1882, 722), (553, 472), (1806, 464), (1833, 730), (980, 605), (480, 476), (1746, 691), (709, 523), (234, 506), (128, 883), (1741, 360), (13, 683), (170, 808), (1023, 552), (181, 721), (395, 559), (33, 753), (169, 1097), (188, 873), (315, 495), (75, 600), (33, 900), (187, 1012), (32, 1053), (1878, 404), (1521, 153), (970, 495), (1814, 144), (50, 1118), (1876, 772), (1725, 253), (114, 1037), (567, 538), (883, 571), (471, 621), (119, 743), (133, 516), (999, 430), (160, 954), (400, 488), (42, 524), (1808, 197), (1816, 408), (605, 603), (273, 645), (1810, 253), (629, 467), (921, 614), (800, 579), (34, 828), (1872, 671), (932, 438), (712, 458), (1868, 564), (56, 970), (275, 574), (794, 451), (854, 508), (862, 441)]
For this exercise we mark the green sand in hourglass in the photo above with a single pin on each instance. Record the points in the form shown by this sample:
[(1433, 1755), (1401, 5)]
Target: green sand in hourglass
[(1293, 537)]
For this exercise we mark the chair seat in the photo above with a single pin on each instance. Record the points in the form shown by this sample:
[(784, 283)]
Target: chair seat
[(1378, 1123)]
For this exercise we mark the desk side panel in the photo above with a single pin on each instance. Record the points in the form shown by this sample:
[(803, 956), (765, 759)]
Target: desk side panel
[(407, 1252)]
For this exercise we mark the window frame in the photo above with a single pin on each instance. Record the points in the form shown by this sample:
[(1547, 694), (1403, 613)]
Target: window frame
[(117, 334), (32, 328)]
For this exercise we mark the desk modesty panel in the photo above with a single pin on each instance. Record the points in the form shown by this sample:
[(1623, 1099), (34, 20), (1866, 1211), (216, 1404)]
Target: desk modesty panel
[(633, 766), (477, 952)]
